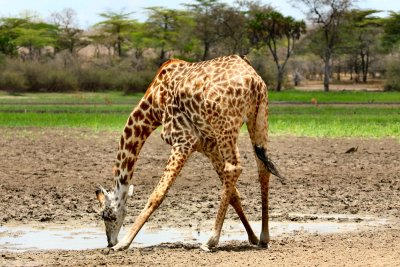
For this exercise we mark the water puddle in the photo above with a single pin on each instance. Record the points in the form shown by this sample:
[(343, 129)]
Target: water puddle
[(23, 238)]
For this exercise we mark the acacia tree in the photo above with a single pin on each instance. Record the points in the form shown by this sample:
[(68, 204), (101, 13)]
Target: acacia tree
[(69, 33), (276, 31), (164, 25), (232, 30), (361, 37), (391, 37), (205, 13), (328, 16), (8, 33), (117, 26), (34, 36)]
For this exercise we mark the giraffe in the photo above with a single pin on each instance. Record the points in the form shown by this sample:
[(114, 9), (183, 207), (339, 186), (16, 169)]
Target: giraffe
[(201, 107)]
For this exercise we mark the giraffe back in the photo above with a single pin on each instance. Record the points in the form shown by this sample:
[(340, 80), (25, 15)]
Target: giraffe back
[(210, 97)]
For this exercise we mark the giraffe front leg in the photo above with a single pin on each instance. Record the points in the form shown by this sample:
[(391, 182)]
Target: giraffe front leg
[(232, 173), (175, 163)]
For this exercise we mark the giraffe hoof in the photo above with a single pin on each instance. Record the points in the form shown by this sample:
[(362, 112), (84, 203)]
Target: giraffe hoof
[(264, 245), (119, 247), (206, 248), (254, 240)]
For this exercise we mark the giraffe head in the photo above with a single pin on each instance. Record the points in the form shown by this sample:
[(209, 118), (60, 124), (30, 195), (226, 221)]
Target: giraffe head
[(113, 212)]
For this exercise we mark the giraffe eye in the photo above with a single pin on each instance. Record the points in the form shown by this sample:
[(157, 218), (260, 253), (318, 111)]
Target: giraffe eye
[(108, 216)]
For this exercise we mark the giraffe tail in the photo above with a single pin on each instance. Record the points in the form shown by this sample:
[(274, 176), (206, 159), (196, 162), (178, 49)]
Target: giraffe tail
[(269, 165)]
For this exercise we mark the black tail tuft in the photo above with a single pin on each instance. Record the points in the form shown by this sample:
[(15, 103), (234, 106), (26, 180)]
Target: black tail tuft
[(262, 155)]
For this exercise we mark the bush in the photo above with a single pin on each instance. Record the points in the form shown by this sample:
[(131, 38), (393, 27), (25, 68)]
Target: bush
[(135, 82), (93, 79), (12, 81), (59, 81), (33, 72), (55, 76), (393, 76), (265, 68)]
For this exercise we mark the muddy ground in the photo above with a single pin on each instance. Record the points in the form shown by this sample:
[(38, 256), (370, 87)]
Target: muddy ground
[(50, 175)]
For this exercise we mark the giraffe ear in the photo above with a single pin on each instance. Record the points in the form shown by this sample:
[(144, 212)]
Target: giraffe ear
[(101, 195), (130, 191)]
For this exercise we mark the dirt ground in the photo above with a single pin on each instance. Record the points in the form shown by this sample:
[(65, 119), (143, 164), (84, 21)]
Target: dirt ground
[(50, 175)]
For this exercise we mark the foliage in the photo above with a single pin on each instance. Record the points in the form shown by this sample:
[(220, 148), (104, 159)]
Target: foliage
[(69, 36), (360, 40), (206, 14), (328, 16), (34, 76), (164, 26), (12, 81), (393, 76), (8, 34), (391, 37), (272, 28), (121, 53), (115, 29)]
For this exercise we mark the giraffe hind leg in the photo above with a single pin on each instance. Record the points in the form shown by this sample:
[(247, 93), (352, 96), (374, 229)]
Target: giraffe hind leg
[(269, 165), (257, 125), (231, 171), (216, 159)]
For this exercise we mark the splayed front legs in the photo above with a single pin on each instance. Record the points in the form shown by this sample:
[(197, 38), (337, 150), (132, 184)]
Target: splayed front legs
[(175, 163)]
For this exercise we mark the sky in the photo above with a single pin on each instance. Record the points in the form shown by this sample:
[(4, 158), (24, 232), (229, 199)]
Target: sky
[(88, 10)]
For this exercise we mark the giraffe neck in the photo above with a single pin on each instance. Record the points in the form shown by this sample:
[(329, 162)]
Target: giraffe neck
[(141, 123)]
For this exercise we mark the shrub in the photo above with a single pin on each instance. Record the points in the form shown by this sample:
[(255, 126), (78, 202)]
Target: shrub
[(12, 81), (92, 79), (136, 81), (56, 76), (265, 68), (33, 72), (59, 81), (393, 76)]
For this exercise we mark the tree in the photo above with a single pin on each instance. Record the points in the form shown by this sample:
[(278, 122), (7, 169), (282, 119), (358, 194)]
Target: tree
[(205, 13), (8, 33), (391, 37), (69, 33), (140, 39), (361, 32), (231, 28), (34, 36), (164, 25), (275, 30), (328, 16), (117, 26)]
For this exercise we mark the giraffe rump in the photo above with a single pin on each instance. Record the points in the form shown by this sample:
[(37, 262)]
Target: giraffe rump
[(269, 165)]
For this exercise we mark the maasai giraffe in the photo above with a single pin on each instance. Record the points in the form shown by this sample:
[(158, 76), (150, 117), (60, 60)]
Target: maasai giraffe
[(201, 107)]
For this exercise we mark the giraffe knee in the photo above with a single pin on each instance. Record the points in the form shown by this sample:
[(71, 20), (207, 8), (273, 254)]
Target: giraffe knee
[(232, 170)]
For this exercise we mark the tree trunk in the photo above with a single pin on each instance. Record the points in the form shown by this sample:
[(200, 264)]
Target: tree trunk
[(327, 69), (326, 77), (162, 54), (363, 64), (356, 71), (119, 47), (279, 81), (366, 69), (339, 70), (206, 50)]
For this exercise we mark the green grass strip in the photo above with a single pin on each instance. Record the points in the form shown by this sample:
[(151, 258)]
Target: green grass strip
[(284, 96), (334, 96), (322, 125)]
